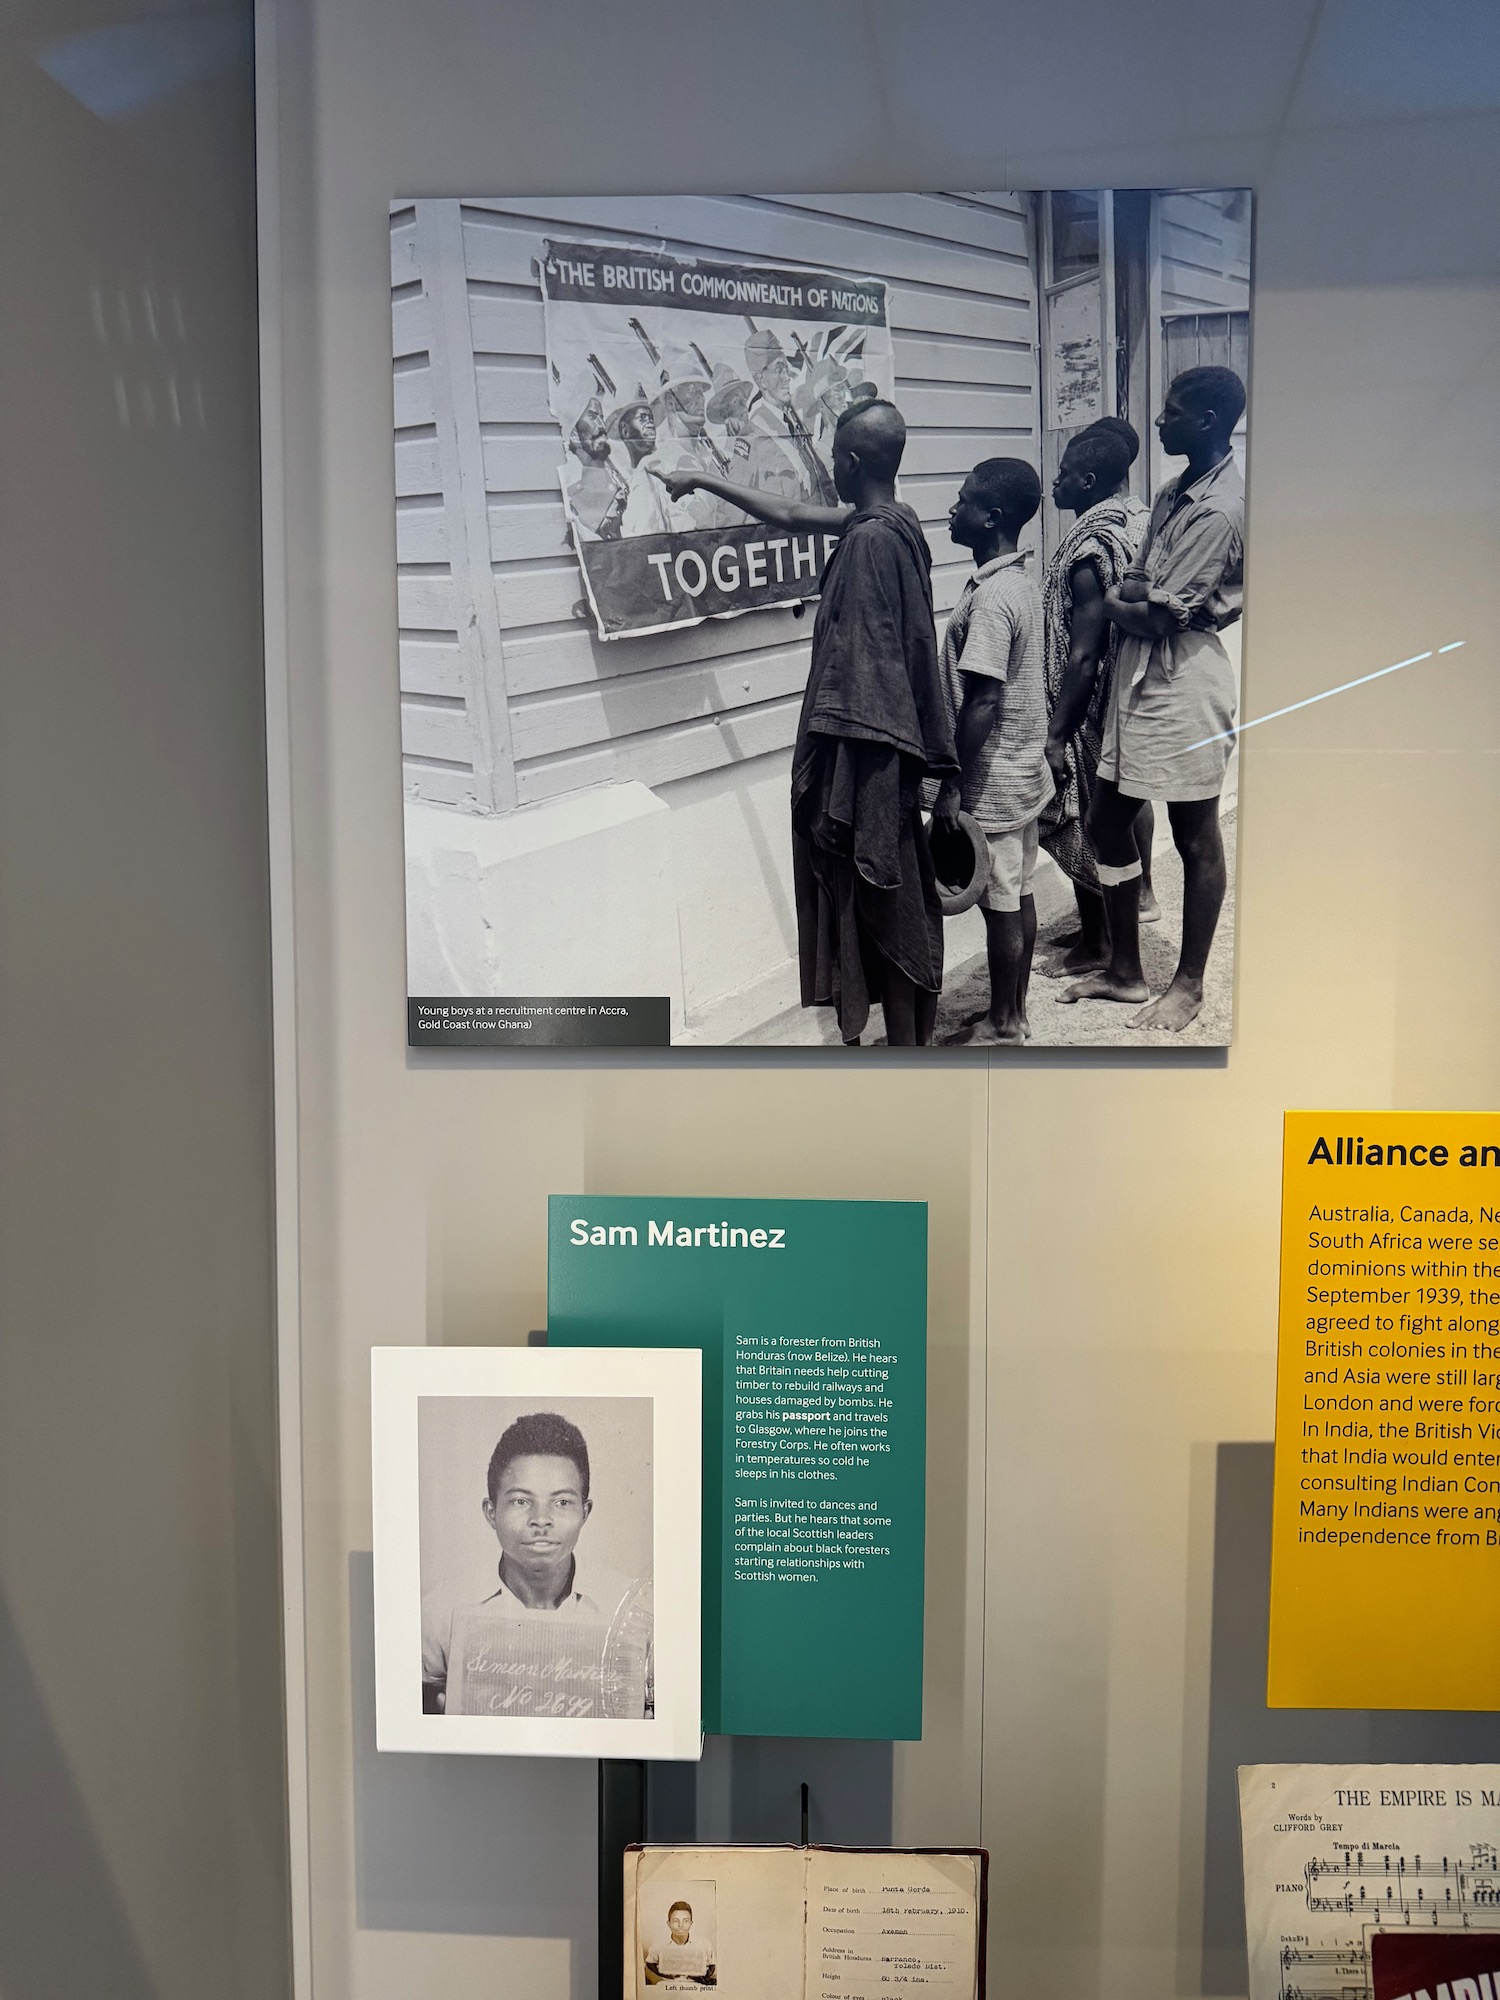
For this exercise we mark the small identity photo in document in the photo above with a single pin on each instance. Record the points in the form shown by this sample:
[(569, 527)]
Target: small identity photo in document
[(536, 1550), (678, 1948)]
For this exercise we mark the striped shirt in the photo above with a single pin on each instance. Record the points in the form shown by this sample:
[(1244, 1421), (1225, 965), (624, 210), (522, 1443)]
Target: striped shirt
[(995, 630)]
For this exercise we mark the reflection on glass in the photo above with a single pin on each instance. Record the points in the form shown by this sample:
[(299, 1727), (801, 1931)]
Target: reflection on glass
[(1074, 234)]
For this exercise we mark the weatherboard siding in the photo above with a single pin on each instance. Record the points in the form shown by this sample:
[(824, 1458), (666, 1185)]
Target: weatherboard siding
[(517, 700)]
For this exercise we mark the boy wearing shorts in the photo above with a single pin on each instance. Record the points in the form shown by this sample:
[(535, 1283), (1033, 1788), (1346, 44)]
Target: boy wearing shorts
[(994, 669), (1170, 725)]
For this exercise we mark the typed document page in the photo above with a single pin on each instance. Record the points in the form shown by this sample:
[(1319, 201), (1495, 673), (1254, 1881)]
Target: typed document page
[(880, 1926)]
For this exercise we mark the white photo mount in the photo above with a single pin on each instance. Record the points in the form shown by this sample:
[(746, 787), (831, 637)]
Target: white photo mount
[(671, 1379)]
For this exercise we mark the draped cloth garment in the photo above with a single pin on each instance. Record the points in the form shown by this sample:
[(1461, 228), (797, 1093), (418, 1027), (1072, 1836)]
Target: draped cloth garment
[(1109, 534), (874, 723)]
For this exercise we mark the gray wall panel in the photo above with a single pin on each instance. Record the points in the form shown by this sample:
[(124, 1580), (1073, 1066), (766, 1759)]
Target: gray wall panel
[(142, 1820)]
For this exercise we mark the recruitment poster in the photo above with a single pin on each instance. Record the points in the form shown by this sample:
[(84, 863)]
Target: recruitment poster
[(1385, 1572), (659, 363), (812, 1321)]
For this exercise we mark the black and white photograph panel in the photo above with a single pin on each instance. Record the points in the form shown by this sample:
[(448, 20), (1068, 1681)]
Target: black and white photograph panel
[(537, 1543), (820, 616), (537, 1551)]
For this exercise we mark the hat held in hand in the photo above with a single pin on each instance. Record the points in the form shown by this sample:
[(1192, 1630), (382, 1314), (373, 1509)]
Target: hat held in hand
[(961, 862)]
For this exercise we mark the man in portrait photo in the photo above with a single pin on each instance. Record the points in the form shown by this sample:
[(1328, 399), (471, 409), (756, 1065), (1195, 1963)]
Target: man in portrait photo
[(683, 1956), (538, 1630)]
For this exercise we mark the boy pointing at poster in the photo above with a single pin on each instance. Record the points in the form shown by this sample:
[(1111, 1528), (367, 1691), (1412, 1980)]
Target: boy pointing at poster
[(874, 723)]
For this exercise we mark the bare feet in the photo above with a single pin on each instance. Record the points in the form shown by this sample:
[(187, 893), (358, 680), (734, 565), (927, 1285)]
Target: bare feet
[(1175, 1009), (1082, 959), (982, 1034), (1150, 908), (1011, 1039), (1105, 986), (989, 1033)]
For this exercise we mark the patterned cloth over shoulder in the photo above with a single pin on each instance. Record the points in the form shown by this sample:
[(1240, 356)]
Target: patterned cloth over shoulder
[(1109, 535)]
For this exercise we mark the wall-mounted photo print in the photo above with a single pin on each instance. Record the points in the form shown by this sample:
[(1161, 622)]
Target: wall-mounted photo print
[(820, 616), (537, 1523)]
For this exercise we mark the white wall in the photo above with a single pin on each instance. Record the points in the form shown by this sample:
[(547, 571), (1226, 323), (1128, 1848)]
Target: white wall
[(1104, 1267)]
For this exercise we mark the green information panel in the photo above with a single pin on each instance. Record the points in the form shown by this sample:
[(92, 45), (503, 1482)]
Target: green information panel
[(812, 1318)]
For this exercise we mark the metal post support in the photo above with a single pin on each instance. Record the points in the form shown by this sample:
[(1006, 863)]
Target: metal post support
[(622, 1822)]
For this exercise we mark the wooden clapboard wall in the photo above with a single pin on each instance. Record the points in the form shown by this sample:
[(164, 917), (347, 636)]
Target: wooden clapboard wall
[(1204, 252), (508, 697), (1205, 282), (1203, 279)]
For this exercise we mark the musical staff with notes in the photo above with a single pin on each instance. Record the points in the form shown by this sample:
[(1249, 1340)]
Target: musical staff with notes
[(1395, 1890), (1336, 1853)]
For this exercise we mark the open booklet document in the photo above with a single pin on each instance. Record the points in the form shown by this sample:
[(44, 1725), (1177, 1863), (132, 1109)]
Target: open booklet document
[(1337, 1854), (803, 1923)]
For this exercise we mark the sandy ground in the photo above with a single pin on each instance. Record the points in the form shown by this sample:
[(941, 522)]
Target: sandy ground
[(1092, 1024), (1097, 1024)]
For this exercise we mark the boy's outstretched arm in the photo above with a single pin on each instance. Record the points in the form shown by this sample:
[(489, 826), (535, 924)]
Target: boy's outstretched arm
[(767, 507)]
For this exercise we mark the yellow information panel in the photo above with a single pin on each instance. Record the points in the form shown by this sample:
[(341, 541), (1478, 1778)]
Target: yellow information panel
[(1385, 1572)]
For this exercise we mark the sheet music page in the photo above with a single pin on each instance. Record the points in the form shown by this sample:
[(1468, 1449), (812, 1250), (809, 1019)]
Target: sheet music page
[(1336, 1852), (722, 1922), (892, 1926)]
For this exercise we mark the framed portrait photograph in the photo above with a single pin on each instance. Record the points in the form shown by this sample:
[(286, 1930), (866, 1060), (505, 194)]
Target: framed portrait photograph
[(537, 1529)]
